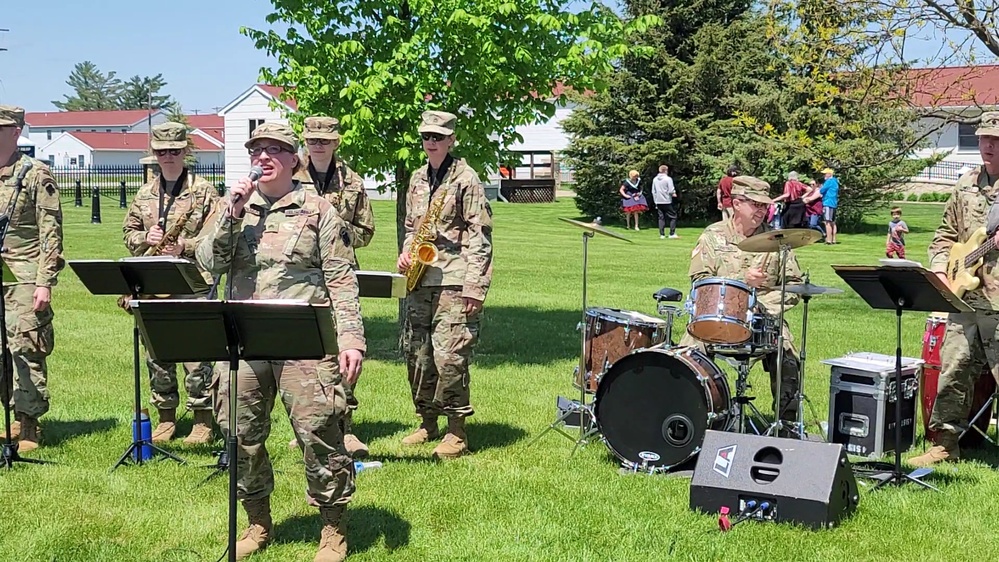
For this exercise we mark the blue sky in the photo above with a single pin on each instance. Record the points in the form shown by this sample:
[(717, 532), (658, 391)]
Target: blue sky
[(195, 44)]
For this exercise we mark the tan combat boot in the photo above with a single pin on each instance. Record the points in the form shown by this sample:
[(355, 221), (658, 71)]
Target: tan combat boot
[(258, 534), (428, 431), (167, 427), (355, 447), (30, 435), (201, 433), (333, 544), (945, 448), (455, 443)]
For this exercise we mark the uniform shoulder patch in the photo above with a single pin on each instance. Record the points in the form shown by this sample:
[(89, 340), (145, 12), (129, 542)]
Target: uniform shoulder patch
[(345, 236)]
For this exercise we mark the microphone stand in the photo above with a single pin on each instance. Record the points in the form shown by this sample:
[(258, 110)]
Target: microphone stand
[(9, 454)]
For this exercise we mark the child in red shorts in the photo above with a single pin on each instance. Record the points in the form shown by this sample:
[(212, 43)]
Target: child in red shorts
[(895, 244)]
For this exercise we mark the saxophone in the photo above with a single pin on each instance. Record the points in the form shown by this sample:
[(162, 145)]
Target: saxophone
[(169, 237), (422, 250)]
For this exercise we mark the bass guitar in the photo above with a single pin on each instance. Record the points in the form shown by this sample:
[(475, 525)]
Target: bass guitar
[(965, 259)]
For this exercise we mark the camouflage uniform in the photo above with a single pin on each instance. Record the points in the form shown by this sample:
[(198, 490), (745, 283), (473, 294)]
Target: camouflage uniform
[(970, 338), (439, 336), (33, 252), (346, 192), (292, 248), (195, 202), (717, 255)]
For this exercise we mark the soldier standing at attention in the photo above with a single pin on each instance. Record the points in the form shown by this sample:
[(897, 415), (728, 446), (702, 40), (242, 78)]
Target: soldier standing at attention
[(446, 207), (970, 340), (717, 254), (282, 241), (330, 177), (33, 252), (175, 194)]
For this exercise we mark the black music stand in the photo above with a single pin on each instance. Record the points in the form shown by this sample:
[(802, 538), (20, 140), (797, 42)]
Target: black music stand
[(898, 289), (140, 275), (381, 284), (232, 331)]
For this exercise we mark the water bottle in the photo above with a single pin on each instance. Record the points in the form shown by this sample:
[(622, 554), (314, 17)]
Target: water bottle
[(359, 466), (144, 432)]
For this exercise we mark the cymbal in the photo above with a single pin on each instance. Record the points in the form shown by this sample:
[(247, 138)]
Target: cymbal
[(772, 240), (595, 227), (809, 290)]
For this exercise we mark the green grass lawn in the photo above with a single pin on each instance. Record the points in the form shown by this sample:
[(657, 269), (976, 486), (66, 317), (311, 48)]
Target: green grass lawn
[(508, 500)]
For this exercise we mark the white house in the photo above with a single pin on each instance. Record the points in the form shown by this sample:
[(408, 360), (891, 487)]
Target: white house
[(43, 127), (86, 149), (241, 116), (942, 94)]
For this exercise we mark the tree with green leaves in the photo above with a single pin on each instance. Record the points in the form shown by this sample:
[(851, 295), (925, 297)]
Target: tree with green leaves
[(143, 92), (377, 65), (795, 87), (664, 108), (92, 89)]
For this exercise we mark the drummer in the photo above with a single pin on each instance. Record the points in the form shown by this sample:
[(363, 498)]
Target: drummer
[(717, 255)]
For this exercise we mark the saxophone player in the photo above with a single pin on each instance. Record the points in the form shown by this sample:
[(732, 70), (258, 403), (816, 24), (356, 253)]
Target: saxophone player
[(449, 219), (174, 194)]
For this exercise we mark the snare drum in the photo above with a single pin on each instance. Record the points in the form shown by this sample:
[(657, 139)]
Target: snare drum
[(610, 335), (764, 339), (721, 311)]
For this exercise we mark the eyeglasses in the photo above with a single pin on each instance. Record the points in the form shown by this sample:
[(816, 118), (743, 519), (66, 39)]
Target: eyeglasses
[(433, 137), (272, 150), (165, 151), (323, 142)]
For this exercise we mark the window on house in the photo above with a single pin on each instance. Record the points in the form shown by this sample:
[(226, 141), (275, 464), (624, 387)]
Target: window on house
[(80, 158), (51, 161), (254, 123), (48, 134), (124, 130), (966, 137), (72, 161), (107, 130)]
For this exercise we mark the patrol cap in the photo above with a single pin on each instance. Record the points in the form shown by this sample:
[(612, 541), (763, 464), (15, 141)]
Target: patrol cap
[(440, 122), (276, 132), (317, 127), (11, 115), (751, 188), (169, 135), (989, 125)]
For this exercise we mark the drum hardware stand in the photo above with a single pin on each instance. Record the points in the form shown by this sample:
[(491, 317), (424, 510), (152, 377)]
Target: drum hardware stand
[(778, 423), (585, 410), (985, 410), (741, 401), (800, 394)]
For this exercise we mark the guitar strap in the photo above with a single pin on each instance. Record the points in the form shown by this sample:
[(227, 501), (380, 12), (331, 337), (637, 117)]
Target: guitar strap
[(992, 221)]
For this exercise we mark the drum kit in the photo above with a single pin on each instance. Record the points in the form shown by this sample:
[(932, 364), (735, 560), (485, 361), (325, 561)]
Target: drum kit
[(653, 400)]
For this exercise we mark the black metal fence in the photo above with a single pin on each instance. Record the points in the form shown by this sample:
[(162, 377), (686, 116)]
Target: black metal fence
[(949, 171), (109, 180)]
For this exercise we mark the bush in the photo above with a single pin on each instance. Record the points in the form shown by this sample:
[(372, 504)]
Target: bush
[(912, 197)]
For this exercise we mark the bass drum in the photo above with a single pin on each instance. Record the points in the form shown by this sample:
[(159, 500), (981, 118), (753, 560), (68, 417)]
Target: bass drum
[(654, 406)]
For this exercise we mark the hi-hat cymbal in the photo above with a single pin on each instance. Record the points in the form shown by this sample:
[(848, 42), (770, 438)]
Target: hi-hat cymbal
[(594, 227), (771, 241), (809, 290)]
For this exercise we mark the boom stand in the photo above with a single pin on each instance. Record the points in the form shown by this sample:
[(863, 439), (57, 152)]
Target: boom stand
[(161, 275), (775, 427), (898, 289), (233, 331), (10, 455)]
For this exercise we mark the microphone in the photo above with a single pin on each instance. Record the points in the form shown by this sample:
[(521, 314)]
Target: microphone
[(255, 173), (25, 168)]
